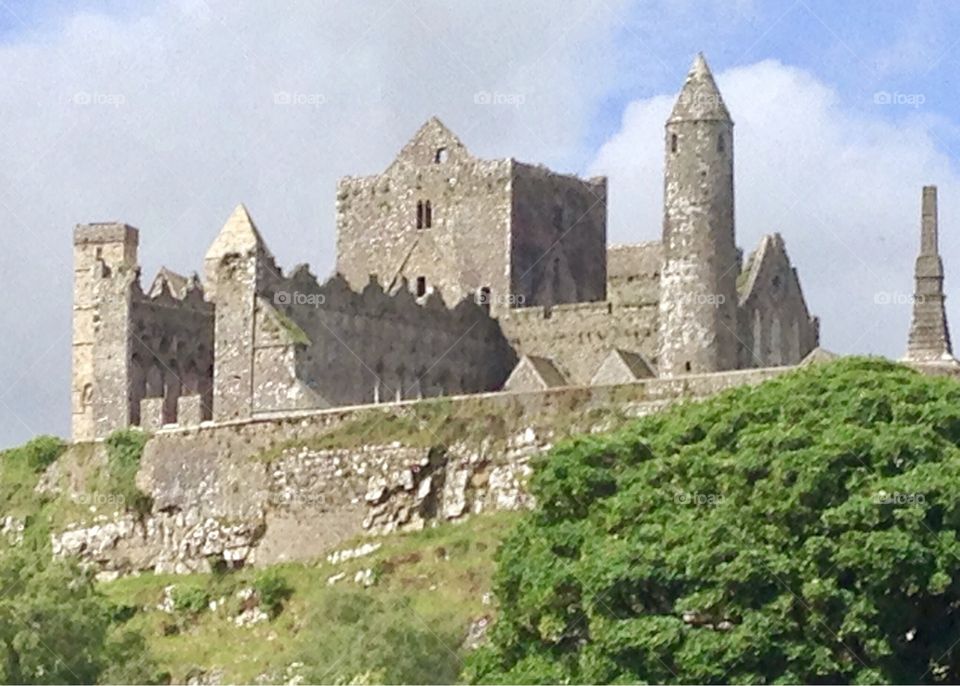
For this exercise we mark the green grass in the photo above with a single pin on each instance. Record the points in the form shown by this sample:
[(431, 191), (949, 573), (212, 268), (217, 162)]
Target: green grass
[(433, 580)]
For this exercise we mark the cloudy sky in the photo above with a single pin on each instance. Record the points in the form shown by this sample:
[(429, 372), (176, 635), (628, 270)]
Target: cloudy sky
[(165, 114)]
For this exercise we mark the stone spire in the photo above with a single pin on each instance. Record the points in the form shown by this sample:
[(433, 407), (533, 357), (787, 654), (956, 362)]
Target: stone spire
[(699, 99), (929, 336)]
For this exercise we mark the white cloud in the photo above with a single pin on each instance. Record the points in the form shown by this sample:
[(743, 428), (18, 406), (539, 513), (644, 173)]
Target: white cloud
[(842, 188)]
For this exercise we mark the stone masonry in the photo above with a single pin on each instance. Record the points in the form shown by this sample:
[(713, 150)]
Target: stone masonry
[(454, 275), (929, 340)]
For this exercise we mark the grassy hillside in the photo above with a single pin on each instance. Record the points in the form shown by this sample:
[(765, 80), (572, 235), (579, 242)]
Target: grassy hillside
[(410, 624)]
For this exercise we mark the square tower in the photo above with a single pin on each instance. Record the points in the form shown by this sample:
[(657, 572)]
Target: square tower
[(105, 268)]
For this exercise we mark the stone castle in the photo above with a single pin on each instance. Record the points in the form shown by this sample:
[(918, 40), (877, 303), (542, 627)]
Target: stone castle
[(454, 275)]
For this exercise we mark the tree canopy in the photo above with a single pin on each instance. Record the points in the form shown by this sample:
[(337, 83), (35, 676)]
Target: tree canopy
[(801, 531)]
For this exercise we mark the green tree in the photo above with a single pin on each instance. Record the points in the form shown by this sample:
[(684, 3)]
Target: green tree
[(55, 627), (802, 531)]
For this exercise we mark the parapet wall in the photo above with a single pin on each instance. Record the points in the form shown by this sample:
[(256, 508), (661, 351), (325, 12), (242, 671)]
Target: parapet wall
[(171, 341), (298, 485), (579, 336), (372, 346)]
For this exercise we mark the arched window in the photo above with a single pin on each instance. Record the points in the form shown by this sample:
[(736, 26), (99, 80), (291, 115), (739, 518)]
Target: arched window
[(441, 156), (673, 142)]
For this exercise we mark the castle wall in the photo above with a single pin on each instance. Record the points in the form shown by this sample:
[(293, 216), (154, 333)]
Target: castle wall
[(463, 250), (558, 237), (633, 273), (260, 491), (353, 347), (172, 344), (579, 336)]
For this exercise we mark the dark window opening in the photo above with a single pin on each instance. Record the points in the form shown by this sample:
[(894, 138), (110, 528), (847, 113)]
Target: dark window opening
[(721, 144), (427, 215), (673, 142), (484, 295), (419, 214), (99, 253), (441, 156), (686, 366), (421, 286)]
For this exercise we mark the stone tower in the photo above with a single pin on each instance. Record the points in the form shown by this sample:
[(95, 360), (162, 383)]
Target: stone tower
[(929, 336), (105, 268), (237, 266), (698, 300)]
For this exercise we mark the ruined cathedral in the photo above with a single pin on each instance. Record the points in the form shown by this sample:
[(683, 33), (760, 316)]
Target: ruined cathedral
[(454, 275)]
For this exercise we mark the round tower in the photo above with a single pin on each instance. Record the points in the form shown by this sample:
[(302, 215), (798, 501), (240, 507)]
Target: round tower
[(698, 296)]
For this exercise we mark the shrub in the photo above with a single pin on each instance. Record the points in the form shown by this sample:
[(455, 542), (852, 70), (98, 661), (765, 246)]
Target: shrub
[(355, 637), (272, 589), (190, 600), (803, 531), (124, 450)]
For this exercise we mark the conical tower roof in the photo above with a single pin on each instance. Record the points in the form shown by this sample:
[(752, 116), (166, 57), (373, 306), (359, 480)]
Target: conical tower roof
[(699, 99), (238, 235)]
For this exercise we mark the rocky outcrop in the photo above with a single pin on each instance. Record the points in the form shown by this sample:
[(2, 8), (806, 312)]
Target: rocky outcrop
[(235, 511)]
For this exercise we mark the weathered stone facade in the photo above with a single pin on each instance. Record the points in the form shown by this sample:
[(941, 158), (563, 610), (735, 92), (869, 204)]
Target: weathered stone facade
[(451, 271), (296, 487)]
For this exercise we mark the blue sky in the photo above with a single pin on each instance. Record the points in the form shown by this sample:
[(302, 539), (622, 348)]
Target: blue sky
[(859, 47), (164, 114)]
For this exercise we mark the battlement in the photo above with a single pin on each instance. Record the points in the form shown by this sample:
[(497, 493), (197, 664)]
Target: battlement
[(454, 275)]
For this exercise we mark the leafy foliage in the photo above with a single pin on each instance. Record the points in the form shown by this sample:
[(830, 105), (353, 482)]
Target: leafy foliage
[(124, 449), (55, 627), (376, 642), (190, 599), (272, 589), (802, 531)]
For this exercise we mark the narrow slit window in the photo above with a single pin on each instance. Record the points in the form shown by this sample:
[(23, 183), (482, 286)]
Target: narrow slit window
[(673, 142), (427, 215), (419, 214), (721, 144), (421, 286)]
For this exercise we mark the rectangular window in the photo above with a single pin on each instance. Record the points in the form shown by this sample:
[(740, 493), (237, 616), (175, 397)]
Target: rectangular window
[(421, 286)]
